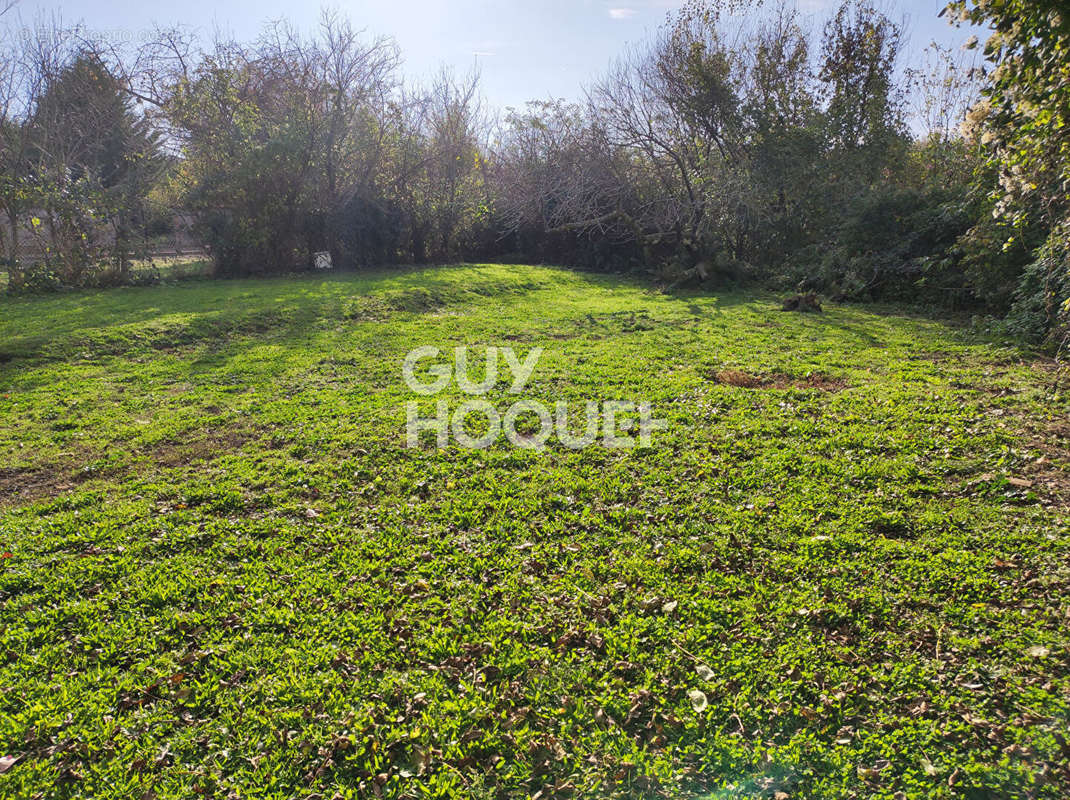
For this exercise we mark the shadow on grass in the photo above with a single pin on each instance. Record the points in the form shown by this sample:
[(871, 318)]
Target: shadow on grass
[(117, 321)]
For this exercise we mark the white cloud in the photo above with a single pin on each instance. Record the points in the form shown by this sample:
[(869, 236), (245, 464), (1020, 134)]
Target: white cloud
[(483, 53), (622, 13)]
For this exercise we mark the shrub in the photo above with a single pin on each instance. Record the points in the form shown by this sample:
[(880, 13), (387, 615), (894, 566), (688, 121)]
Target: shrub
[(1041, 309)]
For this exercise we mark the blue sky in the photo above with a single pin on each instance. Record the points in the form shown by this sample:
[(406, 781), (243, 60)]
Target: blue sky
[(526, 49)]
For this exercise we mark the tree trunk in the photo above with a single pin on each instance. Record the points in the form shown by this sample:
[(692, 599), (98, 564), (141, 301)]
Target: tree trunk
[(15, 277)]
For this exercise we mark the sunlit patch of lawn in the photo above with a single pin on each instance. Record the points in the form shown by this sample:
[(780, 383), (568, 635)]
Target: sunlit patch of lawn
[(842, 570)]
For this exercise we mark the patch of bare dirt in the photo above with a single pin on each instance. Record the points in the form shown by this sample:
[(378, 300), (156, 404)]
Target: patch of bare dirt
[(778, 380), (182, 453), (26, 485), (1050, 474), (1046, 476)]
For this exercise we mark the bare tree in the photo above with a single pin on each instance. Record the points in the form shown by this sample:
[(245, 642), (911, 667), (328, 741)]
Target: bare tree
[(944, 88), (455, 127), (554, 171), (35, 57), (675, 108), (437, 170), (359, 80), (278, 135)]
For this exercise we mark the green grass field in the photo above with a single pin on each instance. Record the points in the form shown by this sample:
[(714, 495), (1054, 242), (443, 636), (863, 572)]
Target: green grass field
[(842, 571)]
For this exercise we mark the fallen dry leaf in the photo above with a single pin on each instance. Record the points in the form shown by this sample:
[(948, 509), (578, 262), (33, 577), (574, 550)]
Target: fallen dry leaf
[(698, 700)]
